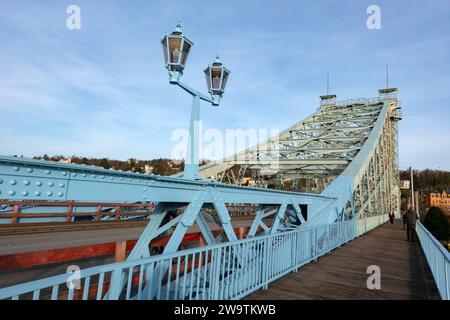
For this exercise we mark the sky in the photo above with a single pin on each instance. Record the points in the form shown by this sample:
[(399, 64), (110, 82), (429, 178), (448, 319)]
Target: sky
[(103, 91)]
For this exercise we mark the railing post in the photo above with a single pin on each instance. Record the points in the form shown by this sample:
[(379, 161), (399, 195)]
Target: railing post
[(15, 213), (117, 212), (266, 263), (216, 273), (447, 293), (69, 213), (295, 251), (115, 286), (121, 247), (339, 234), (315, 244), (99, 210)]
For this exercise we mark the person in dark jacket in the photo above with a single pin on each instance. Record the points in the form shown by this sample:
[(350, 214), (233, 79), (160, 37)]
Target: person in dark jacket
[(391, 217), (412, 218), (405, 220)]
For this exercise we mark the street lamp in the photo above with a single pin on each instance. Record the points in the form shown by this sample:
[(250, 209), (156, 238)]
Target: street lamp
[(176, 49), (216, 79)]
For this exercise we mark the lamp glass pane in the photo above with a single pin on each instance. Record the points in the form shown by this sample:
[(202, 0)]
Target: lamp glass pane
[(166, 55), (216, 74), (174, 49), (225, 78), (185, 53), (208, 78)]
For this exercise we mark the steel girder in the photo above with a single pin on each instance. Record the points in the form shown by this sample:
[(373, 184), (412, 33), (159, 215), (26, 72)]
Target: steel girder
[(369, 186), (326, 149), (313, 152)]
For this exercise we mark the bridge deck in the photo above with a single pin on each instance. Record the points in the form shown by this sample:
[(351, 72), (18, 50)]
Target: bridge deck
[(342, 273)]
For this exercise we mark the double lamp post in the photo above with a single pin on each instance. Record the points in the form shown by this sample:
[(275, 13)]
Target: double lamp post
[(176, 49)]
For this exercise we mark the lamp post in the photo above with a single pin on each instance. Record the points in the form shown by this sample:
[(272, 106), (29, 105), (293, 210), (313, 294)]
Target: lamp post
[(176, 49)]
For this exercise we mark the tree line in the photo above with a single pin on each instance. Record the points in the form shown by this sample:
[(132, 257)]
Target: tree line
[(428, 179), (161, 166)]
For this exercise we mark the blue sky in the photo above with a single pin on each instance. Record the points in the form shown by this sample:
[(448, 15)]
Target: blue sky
[(103, 91)]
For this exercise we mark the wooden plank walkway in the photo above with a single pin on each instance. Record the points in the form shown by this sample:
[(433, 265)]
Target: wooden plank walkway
[(343, 273)]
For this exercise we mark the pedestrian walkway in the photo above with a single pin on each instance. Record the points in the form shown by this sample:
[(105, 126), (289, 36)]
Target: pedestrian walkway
[(343, 273)]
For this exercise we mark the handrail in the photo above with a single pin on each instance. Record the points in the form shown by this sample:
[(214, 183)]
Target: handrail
[(223, 271), (438, 259)]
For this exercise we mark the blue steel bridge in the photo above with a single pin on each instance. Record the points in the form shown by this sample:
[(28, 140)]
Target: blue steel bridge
[(319, 185)]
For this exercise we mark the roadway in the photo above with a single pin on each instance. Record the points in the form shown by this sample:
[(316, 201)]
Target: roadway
[(18, 244)]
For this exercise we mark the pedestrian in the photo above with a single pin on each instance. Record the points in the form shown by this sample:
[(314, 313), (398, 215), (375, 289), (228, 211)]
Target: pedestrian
[(405, 220), (391, 217), (411, 227)]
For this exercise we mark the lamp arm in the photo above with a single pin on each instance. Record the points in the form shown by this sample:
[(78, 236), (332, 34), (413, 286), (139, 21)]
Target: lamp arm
[(194, 92)]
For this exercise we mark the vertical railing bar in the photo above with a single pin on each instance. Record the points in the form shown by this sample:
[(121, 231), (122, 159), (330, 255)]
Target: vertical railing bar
[(160, 280), (229, 274), (315, 244), (279, 258), (140, 283), (169, 277), (205, 273), (223, 273), (260, 264), (269, 266), (296, 250), (149, 273), (245, 269), (231, 271), (254, 260), (217, 273), (70, 294), (55, 290), (292, 252), (177, 279), (212, 275), (191, 282), (36, 294), (275, 250), (87, 284), (100, 286), (236, 254), (242, 269), (446, 280), (186, 258), (271, 256), (197, 295), (269, 259), (129, 282)]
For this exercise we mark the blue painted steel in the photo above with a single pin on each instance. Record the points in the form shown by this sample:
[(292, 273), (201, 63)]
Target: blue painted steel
[(191, 166), (438, 260), (222, 272), (93, 184)]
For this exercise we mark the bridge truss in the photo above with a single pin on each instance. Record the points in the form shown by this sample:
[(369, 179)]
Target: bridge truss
[(346, 138), (343, 158)]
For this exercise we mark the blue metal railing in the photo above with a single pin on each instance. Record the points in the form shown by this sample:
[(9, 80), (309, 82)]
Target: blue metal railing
[(224, 271), (438, 260), (366, 224)]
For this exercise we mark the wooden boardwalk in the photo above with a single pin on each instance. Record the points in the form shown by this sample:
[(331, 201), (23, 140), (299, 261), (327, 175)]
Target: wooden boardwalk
[(343, 273)]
